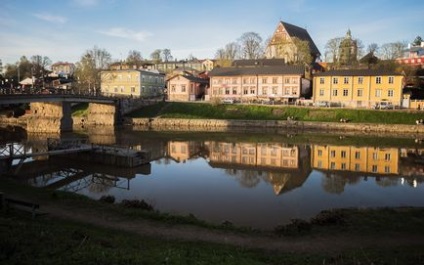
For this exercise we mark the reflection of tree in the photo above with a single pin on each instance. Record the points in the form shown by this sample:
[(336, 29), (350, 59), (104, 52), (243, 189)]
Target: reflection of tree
[(101, 183), (387, 182), (334, 184), (246, 178)]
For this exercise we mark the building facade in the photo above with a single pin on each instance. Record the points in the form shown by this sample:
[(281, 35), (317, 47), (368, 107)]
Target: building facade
[(63, 69), (348, 50), (186, 88), (255, 84), (132, 83), (364, 88)]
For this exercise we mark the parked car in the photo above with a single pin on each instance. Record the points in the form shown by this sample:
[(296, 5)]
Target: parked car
[(384, 105), (228, 101)]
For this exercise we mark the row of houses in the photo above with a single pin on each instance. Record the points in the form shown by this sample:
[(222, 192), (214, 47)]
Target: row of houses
[(279, 78)]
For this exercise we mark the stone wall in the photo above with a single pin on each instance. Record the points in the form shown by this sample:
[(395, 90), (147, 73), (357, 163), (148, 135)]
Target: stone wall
[(49, 117), (101, 114), (225, 125)]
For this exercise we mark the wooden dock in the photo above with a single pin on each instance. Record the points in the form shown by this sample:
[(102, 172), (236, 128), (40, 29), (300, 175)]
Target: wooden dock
[(81, 150)]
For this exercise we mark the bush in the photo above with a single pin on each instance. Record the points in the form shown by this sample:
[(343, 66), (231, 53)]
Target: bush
[(137, 204)]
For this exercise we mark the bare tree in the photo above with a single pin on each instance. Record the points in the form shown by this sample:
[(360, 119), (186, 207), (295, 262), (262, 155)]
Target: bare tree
[(88, 68), (166, 55), (134, 58), (40, 64), (232, 51), (373, 47), (156, 56), (391, 51), (251, 45), (332, 49)]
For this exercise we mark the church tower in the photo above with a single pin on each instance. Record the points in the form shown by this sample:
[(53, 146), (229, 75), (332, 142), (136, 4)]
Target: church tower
[(348, 50)]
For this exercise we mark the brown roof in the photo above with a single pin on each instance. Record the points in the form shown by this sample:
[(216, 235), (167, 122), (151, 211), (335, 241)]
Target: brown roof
[(302, 34), (262, 70), (357, 72)]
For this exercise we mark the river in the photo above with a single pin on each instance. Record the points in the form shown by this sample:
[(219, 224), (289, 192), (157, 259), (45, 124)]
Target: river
[(253, 179)]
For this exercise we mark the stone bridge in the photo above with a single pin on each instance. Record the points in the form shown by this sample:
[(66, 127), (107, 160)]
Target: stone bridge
[(52, 113)]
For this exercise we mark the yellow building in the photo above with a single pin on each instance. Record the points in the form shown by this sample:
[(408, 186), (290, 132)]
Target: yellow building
[(359, 88), (132, 83), (356, 159)]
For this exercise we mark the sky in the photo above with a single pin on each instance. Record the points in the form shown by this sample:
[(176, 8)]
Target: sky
[(64, 30)]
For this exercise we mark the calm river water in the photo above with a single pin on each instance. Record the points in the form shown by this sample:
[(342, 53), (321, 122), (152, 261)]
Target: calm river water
[(253, 179)]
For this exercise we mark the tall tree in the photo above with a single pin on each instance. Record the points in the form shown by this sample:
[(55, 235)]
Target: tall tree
[(373, 48), (134, 58), (156, 56), (166, 55), (251, 45), (391, 51), (303, 52), (88, 69), (332, 49), (39, 64)]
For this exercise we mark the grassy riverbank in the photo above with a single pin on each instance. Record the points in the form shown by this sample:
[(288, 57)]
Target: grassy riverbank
[(77, 230), (280, 112)]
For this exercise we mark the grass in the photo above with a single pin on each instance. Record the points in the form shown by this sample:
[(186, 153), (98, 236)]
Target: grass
[(260, 112), (48, 240)]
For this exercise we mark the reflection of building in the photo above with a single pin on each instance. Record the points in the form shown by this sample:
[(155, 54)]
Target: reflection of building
[(358, 159), (183, 151), (284, 166)]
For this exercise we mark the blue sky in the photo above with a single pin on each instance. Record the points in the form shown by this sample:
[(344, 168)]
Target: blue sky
[(64, 30)]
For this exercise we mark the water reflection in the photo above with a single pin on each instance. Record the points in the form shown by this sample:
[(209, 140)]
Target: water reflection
[(259, 181)]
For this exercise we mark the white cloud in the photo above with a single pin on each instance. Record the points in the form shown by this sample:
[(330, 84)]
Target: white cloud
[(126, 34), (51, 18)]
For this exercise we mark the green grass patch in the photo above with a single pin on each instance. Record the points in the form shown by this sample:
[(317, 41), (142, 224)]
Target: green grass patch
[(265, 112), (80, 110)]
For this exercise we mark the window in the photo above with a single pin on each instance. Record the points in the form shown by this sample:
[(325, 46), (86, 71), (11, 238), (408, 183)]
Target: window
[(234, 81), (378, 79), (245, 91), (386, 169), (343, 154), (252, 90), (343, 166), (387, 157), (357, 155), (274, 90), (264, 90), (378, 93), (374, 168), (335, 80), (357, 167), (321, 80), (319, 152), (172, 88), (391, 79), (264, 80), (346, 80), (360, 92), (132, 89), (360, 80), (390, 93), (234, 90), (245, 80), (287, 80), (335, 92), (115, 89), (227, 91), (345, 92), (332, 165), (274, 80), (333, 153), (374, 156), (321, 92), (183, 88)]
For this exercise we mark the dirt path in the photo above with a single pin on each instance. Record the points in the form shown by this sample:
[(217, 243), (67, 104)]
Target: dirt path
[(308, 244)]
